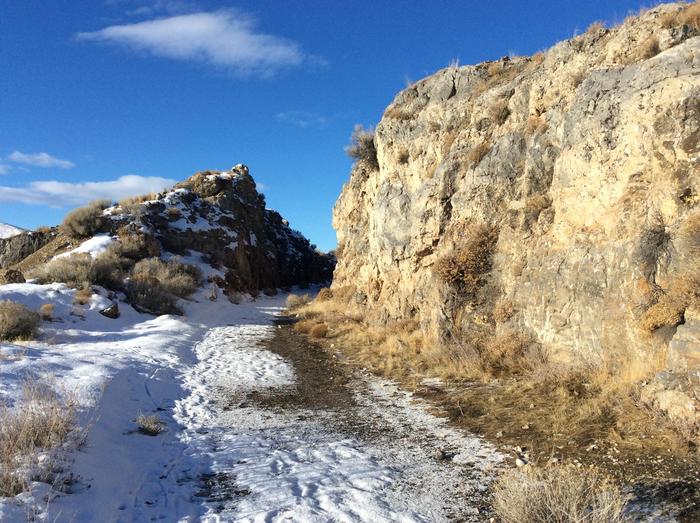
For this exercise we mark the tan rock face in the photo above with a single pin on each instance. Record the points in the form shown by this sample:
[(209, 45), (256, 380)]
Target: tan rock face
[(586, 159)]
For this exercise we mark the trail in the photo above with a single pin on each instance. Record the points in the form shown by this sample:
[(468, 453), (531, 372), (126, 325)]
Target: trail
[(292, 435)]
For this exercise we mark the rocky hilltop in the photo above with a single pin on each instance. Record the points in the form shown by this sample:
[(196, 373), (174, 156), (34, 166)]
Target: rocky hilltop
[(554, 195), (215, 217)]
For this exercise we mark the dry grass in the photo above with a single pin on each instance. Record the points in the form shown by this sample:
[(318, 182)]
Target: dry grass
[(85, 221), (149, 425), (499, 111), (362, 147), (135, 200), (689, 16), (80, 270), (83, 296), (135, 245), (577, 78), (467, 265), (46, 312), (557, 494), (535, 125), (478, 153), (324, 294), (503, 310), (173, 277), (17, 322), (648, 48), (319, 331), (40, 423), (296, 300), (174, 213)]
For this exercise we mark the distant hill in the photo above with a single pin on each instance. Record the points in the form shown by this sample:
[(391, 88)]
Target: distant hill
[(8, 231)]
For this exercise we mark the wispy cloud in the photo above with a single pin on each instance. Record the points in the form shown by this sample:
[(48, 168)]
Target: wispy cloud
[(63, 194), (39, 160), (4, 169), (226, 38), (302, 119)]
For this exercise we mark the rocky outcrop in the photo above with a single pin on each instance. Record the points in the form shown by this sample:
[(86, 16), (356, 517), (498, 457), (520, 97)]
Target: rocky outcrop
[(17, 248), (220, 218), (585, 160)]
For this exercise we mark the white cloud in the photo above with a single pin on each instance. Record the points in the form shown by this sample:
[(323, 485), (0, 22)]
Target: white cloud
[(302, 119), (226, 38), (39, 160), (63, 194)]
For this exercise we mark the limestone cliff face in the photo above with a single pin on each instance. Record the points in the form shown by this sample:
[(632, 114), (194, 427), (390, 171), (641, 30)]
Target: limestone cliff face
[(18, 247), (586, 161)]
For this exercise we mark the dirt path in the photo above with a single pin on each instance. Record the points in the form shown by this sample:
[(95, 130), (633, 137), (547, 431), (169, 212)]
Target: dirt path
[(325, 443)]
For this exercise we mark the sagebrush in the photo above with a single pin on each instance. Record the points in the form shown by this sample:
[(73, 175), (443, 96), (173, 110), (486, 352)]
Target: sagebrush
[(17, 321), (85, 221)]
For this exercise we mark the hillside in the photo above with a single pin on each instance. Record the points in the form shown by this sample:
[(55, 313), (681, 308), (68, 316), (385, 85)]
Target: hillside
[(215, 218)]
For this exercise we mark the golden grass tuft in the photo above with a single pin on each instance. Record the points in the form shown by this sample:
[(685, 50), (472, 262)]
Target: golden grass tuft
[(40, 423), (297, 300), (319, 330), (478, 153), (46, 311), (503, 310), (557, 493), (149, 425), (324, 294), (498, 111), (689, 16)]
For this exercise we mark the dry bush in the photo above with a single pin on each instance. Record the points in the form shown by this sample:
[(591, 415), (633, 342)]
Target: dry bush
[(319, 331), (362, 147), (669, 307), (149, 425), (80, 270), (296, 300), (499, 111), (468, 264), (595, 27), (475, 155), (397, 112), (85, 221), (689, 15), (174, 277), (511, 352), (174, 213), (135, 245), (557, 494), (43, 229), (535, 125), (503, 310), (83, 296), (648, 48), (577, 78), (46, 312), (324, 294), (40, 423), (134, 200), (403, 156), (148, 295), (17, 322)]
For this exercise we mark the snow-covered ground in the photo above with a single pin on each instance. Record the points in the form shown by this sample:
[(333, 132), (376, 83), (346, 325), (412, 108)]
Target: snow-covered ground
[(8, 231), (245, 463)]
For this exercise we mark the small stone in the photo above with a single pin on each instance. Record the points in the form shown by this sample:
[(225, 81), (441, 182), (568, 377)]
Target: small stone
[(520, 462), (526, 426), (499, 434), (111, 312), (439, 455)]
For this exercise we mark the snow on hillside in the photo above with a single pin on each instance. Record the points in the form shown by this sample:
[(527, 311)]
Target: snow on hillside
[(8, 231)]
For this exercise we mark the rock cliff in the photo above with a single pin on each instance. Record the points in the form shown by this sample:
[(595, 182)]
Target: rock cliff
[(581, 163)]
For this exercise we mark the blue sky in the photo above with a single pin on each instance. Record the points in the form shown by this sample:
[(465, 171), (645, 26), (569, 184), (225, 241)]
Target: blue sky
[(107, 98)]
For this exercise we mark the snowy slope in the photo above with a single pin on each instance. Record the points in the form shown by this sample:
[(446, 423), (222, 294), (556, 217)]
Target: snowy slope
[(7, 230)]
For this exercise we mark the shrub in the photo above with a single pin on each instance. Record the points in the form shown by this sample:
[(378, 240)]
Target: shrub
[(85, 221), (83, 296), (468, 264), (511, 352), (324, 294), (649, 48), (148, 295), (80, 270), (499, 112), (561, 494), (174, 277), (689, 15), (17, 321), (135, 245), (362, 147), (295, 300), (503, 311), (46, 312), (478, 153), (149, 425), (319, 331), (40, 422)]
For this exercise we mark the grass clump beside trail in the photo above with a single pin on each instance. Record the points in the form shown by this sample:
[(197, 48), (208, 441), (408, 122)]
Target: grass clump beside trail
[(17, 322), (557, 494), (30, 433)]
